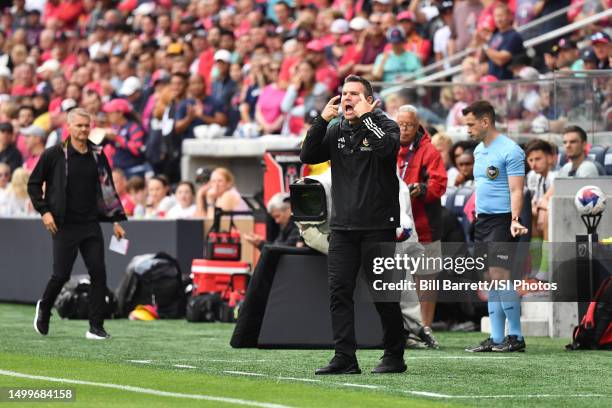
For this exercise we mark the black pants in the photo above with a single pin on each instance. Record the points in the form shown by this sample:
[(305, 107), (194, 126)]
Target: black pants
[(69, 239), (344, 261)]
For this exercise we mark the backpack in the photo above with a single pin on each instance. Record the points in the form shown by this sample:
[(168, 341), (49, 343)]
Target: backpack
[(153, 279), (73, 300), (203, 308), (595, 329)]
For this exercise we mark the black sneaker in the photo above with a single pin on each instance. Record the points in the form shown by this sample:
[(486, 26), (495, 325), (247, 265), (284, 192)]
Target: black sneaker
[(97, 333), (510, 344), (390, 364), (339, 365), (484, 347), (426, 335), (41, 320)]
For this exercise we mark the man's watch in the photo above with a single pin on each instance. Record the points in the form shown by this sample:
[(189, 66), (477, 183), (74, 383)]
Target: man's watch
[(517, 219)]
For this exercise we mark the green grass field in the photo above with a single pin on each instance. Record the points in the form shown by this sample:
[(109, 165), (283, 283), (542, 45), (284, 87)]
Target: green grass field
[(175, 363)]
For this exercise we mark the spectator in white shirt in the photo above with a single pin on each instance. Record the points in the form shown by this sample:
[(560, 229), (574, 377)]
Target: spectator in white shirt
[(185, 202)]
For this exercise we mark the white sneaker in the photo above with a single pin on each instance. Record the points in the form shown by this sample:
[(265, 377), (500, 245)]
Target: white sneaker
[(97, 333)]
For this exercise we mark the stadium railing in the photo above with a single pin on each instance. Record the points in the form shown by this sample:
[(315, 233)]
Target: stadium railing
[(525, 108), (529, 43)]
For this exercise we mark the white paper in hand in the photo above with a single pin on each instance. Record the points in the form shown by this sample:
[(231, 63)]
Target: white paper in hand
[(119, 246), (96, 136)]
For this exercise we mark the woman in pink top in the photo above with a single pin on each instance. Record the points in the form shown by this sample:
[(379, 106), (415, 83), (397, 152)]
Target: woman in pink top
[(268, 112)]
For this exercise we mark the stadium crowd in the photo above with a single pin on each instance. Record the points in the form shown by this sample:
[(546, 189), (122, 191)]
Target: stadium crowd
[(154, 73)]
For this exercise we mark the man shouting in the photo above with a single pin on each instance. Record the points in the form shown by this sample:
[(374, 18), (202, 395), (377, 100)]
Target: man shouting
[(362, 146)]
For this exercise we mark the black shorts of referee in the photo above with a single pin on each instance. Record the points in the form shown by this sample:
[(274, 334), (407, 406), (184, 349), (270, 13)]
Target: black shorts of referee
[(492, 237)]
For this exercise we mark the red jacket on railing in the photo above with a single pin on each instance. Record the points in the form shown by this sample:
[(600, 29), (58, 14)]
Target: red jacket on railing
[(425, 167)]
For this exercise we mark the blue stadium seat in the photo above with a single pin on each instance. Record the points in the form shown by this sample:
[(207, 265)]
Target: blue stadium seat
[(448, 198), (461, 198), (562, 159), (597, 154), (608, 161)]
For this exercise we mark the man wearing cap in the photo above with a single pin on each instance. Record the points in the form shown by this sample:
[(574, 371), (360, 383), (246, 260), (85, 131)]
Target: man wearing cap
[(568, 55), (127, 138), (443, 46), (395, 64), (131, 89), (603, 49), (223, 87), (78, 194), (324, 73), (9, 154), (353, 51), (589, 59), (35, 143), (414, 42)]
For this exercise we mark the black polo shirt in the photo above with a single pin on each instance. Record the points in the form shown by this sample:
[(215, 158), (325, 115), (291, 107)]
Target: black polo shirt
[(81, 187)]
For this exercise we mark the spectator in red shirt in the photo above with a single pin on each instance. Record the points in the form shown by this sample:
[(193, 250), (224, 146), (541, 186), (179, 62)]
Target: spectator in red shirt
[(374, 42), (23, 81), (35, 143), (325, 73), (120, 183), (353, 51), (127, 137), (414, 42), (422, 169)]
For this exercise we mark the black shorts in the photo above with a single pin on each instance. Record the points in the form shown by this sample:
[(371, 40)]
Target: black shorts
[(492, 237)]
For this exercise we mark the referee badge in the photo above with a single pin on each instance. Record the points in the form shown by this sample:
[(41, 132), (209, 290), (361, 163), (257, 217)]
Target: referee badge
[(492, 172)]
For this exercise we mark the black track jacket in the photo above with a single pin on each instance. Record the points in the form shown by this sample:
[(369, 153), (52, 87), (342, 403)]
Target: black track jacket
[(365, 188)]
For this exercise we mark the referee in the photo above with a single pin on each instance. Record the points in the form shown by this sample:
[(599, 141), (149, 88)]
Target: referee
[(499, 171), (72, 188), (362, 146)]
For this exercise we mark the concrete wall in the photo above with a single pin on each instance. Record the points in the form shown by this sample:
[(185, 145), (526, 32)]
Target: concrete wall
[(564, 225), (26, 258)]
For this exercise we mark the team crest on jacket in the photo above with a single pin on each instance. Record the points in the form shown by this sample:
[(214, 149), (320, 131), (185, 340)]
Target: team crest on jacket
[(492, 172), (365, 142)]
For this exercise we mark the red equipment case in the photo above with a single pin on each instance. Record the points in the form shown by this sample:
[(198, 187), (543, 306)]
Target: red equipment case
[(219, 276)]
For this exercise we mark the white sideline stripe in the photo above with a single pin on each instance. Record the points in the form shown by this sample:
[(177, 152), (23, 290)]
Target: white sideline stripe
[(299, 379), (140, 361), (302, 379), (183, 366), (460, 357), (436, 395), (232, 361), (141, 390), (373, 387), (245, 373), (429, 394)]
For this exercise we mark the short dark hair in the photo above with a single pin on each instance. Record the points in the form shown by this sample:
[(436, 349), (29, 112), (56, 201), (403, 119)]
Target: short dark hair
[(135, 183), (539, 145), (576, 129), (183, 75), (188, 184), (480, 109), (366, 84)]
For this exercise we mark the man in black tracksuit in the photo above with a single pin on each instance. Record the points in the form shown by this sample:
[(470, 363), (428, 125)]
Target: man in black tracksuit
[(78, 193), (362, 146)]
